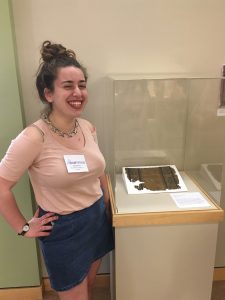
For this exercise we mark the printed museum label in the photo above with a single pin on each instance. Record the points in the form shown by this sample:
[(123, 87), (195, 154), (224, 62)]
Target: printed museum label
[(190, 200)]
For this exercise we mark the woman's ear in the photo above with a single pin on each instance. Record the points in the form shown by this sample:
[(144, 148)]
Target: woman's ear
[(48, 95)]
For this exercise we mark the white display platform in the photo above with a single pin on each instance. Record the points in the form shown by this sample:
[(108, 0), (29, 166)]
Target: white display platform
[(158, 202)]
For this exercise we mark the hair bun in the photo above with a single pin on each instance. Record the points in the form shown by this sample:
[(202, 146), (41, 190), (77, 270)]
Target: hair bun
[(51, 51)]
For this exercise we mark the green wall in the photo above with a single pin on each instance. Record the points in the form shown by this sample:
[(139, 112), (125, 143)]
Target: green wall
[(18, 255)]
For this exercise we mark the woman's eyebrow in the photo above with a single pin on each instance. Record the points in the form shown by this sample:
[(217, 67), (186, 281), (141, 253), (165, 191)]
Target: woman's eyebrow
[(71, 82), (67, 81)]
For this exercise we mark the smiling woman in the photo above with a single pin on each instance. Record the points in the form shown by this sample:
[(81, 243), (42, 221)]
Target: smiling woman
[(66, 169), (61, 81), (69, 93)]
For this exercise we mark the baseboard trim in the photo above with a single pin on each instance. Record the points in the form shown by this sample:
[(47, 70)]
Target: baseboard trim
[(28, 293), (102, 281), (219, 274)]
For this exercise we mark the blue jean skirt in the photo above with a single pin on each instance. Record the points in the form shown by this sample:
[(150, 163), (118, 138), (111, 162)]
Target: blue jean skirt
[(76, 241)]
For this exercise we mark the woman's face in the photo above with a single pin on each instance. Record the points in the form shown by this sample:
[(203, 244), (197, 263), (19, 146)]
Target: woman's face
[(69, 96)]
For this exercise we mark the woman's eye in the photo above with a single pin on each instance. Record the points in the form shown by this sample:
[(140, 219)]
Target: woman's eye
[(71, 87)]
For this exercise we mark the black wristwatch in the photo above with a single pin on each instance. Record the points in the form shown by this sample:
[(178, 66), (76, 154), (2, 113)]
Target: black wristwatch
[(25, 228)]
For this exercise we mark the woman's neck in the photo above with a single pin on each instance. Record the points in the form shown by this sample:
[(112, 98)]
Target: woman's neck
[(62, 122)]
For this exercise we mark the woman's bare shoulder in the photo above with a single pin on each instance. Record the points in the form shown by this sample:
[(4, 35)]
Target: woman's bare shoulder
[(34, 133), (88, 124)]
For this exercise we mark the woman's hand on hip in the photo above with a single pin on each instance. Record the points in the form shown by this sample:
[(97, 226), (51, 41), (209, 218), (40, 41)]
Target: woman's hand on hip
[(41, 226)]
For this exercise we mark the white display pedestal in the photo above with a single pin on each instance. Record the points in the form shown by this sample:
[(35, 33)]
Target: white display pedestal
[(162, 252)]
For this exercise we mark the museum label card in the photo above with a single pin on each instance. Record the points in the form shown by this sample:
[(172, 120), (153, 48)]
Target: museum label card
[(190, 200)]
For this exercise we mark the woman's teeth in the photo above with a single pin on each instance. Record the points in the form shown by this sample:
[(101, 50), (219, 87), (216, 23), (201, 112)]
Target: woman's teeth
[(75, 104)]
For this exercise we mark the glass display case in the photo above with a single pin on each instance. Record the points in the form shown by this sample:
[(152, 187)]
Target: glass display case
[(176, 123), (169, 120)]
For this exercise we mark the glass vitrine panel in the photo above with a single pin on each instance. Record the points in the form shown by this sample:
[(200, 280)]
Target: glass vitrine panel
[(170, 121)]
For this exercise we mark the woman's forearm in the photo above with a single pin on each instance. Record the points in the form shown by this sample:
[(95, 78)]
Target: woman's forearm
[(38, 226)]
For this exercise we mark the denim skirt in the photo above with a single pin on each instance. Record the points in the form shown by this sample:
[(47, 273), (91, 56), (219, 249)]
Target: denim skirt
[(75, 242)]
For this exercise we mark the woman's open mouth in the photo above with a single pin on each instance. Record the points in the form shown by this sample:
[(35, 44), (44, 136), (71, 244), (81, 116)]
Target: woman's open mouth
[(75, 104)]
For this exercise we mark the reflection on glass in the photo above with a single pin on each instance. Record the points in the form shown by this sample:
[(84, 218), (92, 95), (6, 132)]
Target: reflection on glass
[(143, 109)]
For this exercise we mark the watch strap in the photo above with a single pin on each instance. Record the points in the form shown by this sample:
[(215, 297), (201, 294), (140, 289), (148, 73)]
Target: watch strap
[(23, 230)]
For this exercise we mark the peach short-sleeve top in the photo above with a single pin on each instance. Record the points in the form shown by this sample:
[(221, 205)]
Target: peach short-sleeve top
[(56, 189)]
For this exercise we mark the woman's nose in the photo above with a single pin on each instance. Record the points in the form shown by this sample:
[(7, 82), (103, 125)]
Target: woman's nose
[(76, 91)]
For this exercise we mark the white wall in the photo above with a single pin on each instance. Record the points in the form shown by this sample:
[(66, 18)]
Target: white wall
[(119, 36)]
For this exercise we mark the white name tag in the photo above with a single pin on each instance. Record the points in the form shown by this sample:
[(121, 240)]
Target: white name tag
[(75, 163)]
